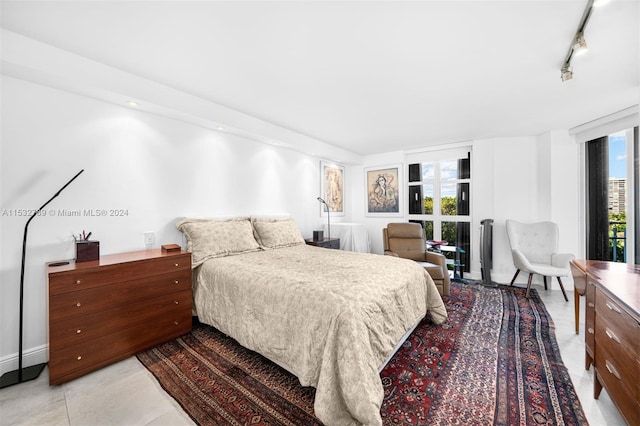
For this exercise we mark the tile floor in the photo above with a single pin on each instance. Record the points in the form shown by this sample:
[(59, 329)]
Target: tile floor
[(127, 394)]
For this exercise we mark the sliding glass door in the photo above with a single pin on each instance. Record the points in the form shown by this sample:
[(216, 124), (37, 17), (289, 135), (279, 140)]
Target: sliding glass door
[(612, 200)]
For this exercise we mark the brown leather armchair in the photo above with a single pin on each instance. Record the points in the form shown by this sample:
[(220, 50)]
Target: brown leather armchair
[(406, 240)]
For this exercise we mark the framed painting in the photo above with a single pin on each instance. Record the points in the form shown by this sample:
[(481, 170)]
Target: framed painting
[(332, 188), (384, 184)]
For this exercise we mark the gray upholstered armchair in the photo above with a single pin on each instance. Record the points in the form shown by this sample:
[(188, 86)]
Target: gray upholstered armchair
[(534, 249), (406, 240)]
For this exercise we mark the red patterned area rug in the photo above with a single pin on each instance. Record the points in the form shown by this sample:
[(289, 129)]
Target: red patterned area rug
[(495, 361)]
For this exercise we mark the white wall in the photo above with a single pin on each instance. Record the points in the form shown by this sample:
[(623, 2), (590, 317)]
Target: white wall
[(159, 169), (156, 169), (530, 179), (515, 193)]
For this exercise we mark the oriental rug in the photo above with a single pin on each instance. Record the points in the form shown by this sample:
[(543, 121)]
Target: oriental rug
[(495, 361)]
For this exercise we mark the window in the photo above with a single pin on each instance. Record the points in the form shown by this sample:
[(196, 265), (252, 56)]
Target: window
[(438, 198), (611, 179)]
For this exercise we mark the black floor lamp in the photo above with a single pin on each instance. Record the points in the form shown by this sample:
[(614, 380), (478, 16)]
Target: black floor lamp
[(32, 372)]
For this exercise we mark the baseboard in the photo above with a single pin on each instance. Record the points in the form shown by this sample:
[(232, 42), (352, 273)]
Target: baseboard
[(31, 356)]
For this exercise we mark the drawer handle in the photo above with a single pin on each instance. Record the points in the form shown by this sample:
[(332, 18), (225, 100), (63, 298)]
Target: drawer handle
[(612, 369), (591, 305), (612, 335), (176, 282), (177, 303), (613, 308), (175, 323), (79, 357), (78, 331), (78, 281), (177, 265), (590, 330), (78, 304)]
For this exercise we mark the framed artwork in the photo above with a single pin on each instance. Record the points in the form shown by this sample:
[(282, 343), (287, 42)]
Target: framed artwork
[(332, 188), (383, 188)]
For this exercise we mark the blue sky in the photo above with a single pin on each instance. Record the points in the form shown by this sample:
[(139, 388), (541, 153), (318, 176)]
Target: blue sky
[(448, 171), (617, 156)]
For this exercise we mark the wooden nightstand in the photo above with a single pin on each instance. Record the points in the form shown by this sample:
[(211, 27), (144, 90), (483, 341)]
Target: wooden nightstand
[(106, 310), (332, 243)]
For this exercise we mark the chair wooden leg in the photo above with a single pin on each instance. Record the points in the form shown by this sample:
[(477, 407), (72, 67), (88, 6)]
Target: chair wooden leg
[(544, 278), (514, 277), (576, 305), (529, 284), (564, 293)]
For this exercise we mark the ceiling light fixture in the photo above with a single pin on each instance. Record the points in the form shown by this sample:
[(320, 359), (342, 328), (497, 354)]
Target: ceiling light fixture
[(600, 3), (578, 44), (132, 104)]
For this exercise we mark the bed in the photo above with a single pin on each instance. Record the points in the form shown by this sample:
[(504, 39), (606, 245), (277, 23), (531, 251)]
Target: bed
[(330, 317)]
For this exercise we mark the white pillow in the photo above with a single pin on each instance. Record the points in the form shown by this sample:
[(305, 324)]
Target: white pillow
[(276, 232), (210, 238)]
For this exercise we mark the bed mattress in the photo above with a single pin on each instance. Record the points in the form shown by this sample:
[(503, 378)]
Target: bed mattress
[(332, 317)]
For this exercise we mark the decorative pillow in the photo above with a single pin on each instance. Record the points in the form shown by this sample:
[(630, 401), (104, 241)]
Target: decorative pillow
[(274, 233), (210, 238)]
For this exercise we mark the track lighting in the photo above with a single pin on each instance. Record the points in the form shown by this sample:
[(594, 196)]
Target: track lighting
[(600, 3), (578, 44)]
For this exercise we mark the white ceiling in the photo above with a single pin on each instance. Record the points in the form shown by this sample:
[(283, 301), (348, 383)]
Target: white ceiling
[(369, 77)]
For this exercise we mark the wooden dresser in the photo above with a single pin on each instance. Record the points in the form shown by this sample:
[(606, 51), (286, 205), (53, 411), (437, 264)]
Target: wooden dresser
[(612, 337), (103, 311)]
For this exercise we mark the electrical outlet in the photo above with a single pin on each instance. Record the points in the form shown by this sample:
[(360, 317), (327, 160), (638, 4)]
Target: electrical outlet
[(149, 239)]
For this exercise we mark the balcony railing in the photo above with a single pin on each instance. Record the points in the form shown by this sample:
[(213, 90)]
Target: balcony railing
[(618, 241)]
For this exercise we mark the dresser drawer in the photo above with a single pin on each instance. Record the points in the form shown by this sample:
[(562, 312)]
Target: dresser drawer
[(619, 321), (89, 301), (620, 359), (77, 360), (82, 329), (609, 373), (83, 278)]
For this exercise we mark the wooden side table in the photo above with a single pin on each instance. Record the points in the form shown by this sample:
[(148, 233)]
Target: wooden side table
[(331, 243)]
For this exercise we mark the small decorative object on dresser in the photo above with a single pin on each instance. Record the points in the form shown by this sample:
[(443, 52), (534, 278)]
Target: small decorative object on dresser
[(332, 243), (171, 247), (103, 311), (87, 251)]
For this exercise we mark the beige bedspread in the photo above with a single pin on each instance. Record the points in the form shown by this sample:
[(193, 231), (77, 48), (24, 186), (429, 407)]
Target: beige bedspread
[(332, 317)]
